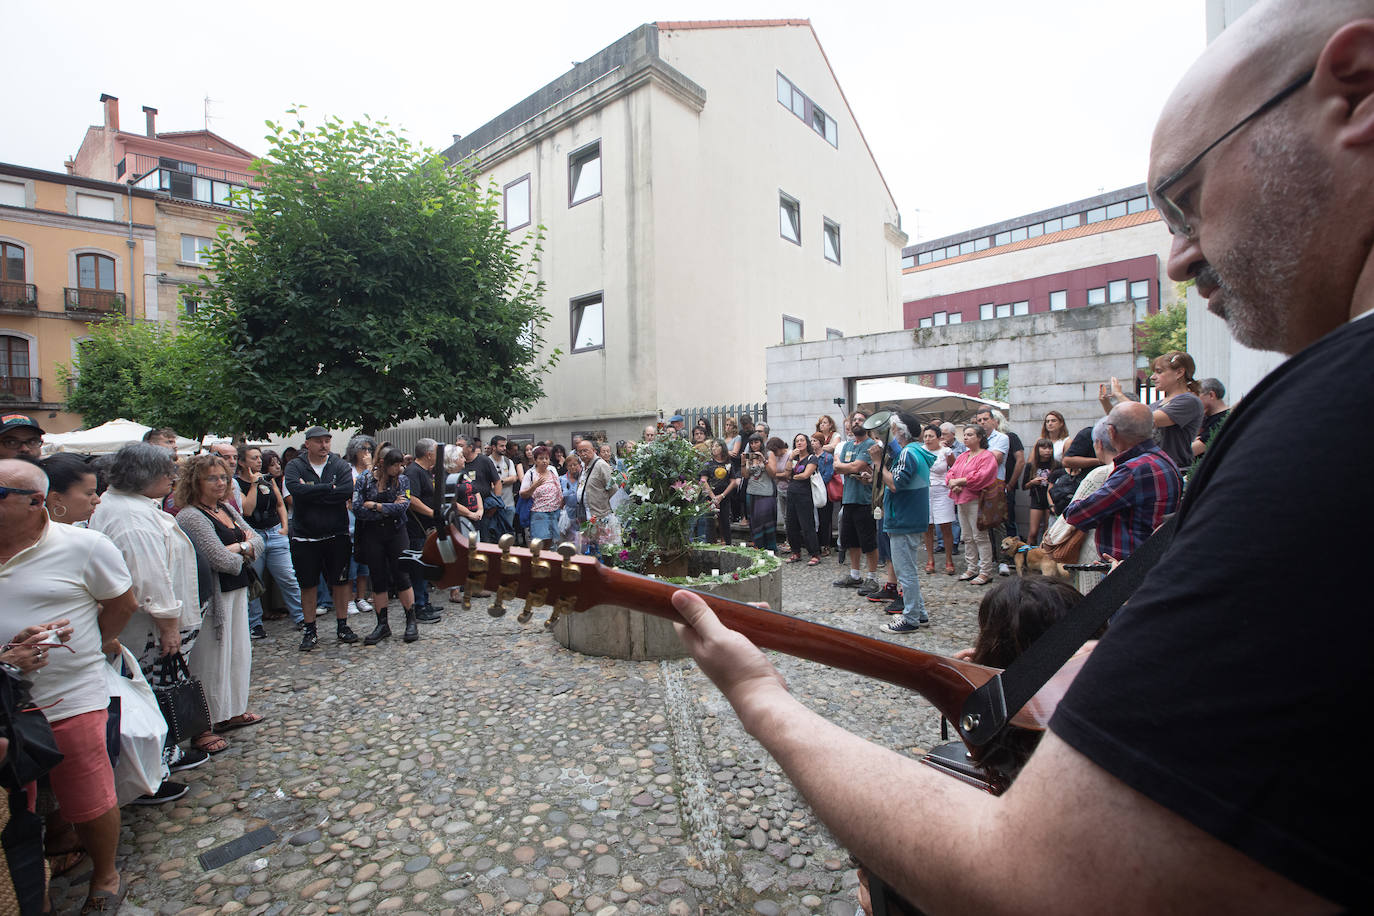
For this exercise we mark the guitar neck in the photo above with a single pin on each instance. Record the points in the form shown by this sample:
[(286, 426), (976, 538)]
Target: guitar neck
[(945, 682)]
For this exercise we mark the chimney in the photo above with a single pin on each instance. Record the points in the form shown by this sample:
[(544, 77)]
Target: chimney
[(151, 114), (111, 111)]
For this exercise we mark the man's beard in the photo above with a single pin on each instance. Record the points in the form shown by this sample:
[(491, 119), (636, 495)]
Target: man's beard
[(1257, 279)]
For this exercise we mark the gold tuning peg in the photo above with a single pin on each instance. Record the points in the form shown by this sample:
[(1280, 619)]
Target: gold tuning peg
[(497, 608), (537, 545), (570, 572), (535, 599), (506, 542), (509, 565)]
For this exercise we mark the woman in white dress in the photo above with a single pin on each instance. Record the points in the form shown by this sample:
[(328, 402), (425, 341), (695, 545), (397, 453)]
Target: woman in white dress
[(223, 655), (941, 506)]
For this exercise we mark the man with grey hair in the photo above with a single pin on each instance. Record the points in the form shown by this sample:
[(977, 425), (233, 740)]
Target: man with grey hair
[(1214, 411), (230, 454), (1165, 782), (1143, 488), (420, 519), (1000, 444)]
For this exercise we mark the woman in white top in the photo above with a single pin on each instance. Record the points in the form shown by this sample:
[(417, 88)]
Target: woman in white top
[(158, 553), (941, 506), (1056, 430), (826, 427)]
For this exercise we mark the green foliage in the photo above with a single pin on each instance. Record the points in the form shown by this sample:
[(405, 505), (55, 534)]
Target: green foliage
[(1000, 390), (662, 479), (151, 373), (373, 285), (1166, 329)]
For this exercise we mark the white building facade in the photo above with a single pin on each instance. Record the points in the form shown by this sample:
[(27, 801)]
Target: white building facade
[(705, 194)]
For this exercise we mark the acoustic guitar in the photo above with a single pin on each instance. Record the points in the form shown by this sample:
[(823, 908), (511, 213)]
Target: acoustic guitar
[(572, 583)]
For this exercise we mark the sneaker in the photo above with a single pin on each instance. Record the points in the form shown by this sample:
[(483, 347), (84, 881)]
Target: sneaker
[(168, 792), (869, 587), (901, 625), (258, 632), (346, 635), (364, 605), (924, 620), (188, 759), (1002, 570), (309, 639), (352, 608), (428, 614), (886, 593), (848, 582), (896, 607)]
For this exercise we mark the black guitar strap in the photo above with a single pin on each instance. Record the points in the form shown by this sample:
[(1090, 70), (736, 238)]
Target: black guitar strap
[(989, 708)]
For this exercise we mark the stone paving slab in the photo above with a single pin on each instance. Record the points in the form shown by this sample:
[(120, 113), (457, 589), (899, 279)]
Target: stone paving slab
[(485, 769)]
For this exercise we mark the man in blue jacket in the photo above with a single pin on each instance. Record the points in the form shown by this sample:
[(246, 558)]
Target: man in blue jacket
[(906, 513), (321, 486)]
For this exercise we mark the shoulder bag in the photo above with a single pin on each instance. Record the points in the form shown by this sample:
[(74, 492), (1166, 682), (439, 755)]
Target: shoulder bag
[(181, 699), (819, 496), (992, 506)]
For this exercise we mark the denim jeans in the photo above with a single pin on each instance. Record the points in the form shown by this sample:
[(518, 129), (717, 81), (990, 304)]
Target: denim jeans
[(905, 563), (544, 526), (276, 558)]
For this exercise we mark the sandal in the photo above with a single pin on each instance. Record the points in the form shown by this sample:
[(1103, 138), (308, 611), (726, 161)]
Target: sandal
[(814, 561), (930, 567), (210, 743), (240, 721), (968, 577), (66, 861), (981, 580), (949, 569), (794, 558)]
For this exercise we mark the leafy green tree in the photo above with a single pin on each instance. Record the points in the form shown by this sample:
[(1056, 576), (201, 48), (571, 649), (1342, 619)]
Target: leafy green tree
[(1166, 329), (1000, 390), (372, 285), (151, 373)]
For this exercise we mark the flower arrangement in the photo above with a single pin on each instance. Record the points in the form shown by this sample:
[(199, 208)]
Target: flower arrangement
[(665, 498)]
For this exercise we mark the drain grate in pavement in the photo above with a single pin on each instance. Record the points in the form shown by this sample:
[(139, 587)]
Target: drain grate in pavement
[(234, 849)]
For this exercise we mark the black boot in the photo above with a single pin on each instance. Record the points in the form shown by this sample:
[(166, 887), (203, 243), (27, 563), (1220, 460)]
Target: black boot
[(308, 638), (412, 631), (343, 633), (382, 630)]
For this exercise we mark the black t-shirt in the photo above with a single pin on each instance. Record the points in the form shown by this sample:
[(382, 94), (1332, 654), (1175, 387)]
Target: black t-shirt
[(1009, 462), (265, 514), (1218, 687), (718, 475), (482, 474), (422, 490), (800, 488), (1209, 423)]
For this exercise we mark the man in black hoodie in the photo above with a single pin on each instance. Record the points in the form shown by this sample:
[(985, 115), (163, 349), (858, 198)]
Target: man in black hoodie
[(321, 486)]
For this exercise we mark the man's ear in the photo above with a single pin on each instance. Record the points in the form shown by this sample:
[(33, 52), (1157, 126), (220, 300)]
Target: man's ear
[(1345, 70)]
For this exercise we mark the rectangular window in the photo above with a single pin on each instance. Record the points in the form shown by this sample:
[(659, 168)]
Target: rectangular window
[(941, 379), (584, 173), (956, 317), (1140, 289), (11, 194), (1059, 300), (939, 319), (1018, 235), (95, 207), (195, 249), (925, 323), (966, 247), (792, 329), (1142, 309), (833, 334), (1097, 214), (219, 193), (1116, 291), (517, 203), (1001, 238), (1115, 210), (830, 240), (1071, 221), (784, 92), (789, 218), (989, 377), (971, 376), (910, 260), (190, 305), (985, 311), (1137, 204), (1033, 231), (1020, 308), (1097, 295), (200, 189), (588, 328), (1004, 311), (1053, 225)]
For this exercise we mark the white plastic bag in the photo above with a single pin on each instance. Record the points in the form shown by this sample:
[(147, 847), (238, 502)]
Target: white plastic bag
[(142, 731)]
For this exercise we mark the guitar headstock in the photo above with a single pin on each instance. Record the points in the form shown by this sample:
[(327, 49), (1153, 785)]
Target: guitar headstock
[(558, 577)]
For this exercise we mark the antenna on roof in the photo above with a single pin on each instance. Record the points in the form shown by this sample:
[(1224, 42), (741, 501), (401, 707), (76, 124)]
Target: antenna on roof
[(208, 100)]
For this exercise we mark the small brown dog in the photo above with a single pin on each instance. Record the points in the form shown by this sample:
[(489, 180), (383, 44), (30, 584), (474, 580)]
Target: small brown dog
[(1033, 559)]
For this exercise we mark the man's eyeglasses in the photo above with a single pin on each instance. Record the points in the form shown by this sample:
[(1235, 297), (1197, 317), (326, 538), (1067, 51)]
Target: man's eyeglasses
[(5, 492), (11, 442), (1171, 209)]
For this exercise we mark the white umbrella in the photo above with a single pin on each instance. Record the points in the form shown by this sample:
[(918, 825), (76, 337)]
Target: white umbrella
[(106, 438), (923, 401)]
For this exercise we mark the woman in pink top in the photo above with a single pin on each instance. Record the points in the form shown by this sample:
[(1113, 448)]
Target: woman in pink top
[(973, 472), (542, 488)]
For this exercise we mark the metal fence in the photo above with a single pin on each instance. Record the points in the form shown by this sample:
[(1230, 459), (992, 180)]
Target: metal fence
[(716, 415), (405, 437)]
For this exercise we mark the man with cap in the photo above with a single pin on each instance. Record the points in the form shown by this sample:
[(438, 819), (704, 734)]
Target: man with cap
[(677, 423), (20, 437), (321, 487)]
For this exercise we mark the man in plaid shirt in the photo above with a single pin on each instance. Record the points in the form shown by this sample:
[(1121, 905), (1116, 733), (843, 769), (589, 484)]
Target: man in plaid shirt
[(1144, 487)]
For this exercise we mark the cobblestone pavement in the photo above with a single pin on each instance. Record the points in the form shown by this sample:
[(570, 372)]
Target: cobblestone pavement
[(486, 769)]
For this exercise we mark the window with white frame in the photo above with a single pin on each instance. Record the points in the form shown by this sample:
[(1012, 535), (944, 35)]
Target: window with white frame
[(986, 311), (89, 205), (588, 327), (1097, 295), (830, 240), (789, 218), (11, 194), (195, 249), (925, 323), (584, 173), (956, 317), (792, 329), (1020, 308), (516, 201), (1116, 291), (1140, 289), (939, 319), (1059, 300), (1004, 310)]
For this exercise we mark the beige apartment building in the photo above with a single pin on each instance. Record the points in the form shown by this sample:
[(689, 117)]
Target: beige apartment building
[(72, 251), (706, 193)]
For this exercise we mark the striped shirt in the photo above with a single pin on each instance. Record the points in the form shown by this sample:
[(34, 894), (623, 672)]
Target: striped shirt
[(1144, 487)]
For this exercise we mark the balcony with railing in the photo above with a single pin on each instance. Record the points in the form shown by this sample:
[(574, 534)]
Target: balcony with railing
[(18, 296), (188, 180), (82, 302), (21, 389)]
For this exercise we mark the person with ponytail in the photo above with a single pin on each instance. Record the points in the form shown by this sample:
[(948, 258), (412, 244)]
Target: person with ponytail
[(1178, 415)]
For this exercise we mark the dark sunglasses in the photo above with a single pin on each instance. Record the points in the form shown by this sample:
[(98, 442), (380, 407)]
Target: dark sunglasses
[(18, 491)]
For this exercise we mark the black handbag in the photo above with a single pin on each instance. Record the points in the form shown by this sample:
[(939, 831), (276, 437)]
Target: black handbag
[(181, 699), (256, 588)]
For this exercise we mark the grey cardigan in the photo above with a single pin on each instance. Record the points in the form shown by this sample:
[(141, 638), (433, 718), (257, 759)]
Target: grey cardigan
[(219, 558)]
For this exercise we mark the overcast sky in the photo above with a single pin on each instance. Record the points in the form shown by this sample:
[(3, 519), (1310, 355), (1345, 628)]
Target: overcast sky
[(976, 112)]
